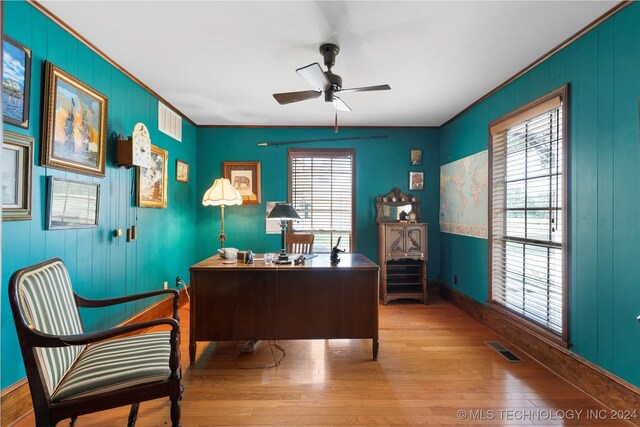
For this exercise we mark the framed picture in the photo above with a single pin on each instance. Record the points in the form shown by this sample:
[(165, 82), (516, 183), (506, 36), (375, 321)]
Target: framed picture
[(152, 181), (416, 157), (245, 177), (416, 180), (272, 227), (72, 204), (17, 158), (16, 82), (182, 171), (75, 124)]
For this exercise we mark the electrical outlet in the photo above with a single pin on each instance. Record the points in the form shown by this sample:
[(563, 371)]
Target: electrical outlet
[(166, 285)]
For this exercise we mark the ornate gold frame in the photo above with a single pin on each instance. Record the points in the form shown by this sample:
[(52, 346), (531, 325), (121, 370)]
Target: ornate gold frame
[(57, 153), (146, 198)]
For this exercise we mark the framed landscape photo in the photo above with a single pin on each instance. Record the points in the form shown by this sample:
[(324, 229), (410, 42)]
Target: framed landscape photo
[(182, 171), (72, 204), (245, 177), (152, 181), (416, 180), (75, 124), (16, 82), (416, 157), (17, 158)]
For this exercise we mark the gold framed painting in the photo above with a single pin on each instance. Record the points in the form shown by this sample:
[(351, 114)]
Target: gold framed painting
[(245, 177), (152, 181), (75, 124)]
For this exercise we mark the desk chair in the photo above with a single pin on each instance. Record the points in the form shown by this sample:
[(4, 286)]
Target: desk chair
[(71, 372), (299, 243)]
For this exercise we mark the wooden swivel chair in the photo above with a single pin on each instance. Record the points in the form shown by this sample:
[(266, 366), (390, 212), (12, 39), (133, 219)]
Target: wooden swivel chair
[(299, 243), (71, 372)]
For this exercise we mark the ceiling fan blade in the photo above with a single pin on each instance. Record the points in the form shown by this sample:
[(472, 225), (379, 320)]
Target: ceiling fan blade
[(367, 88), (315, 76), (290, 97), (339, 104)]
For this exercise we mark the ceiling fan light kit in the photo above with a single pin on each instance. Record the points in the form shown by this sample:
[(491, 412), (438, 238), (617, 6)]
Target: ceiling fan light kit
[(324, 81)]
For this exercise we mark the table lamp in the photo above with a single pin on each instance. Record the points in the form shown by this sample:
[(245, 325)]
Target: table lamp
[(284, 212), (222, 194)]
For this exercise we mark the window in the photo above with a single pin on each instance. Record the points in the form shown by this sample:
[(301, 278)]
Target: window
[(322, 189), (528, 214)]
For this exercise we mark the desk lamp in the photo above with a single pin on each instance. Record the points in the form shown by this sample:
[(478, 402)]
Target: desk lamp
[(284, 212), (222, 194)]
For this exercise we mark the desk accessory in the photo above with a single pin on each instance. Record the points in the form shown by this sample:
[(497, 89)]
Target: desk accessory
[(335, 251), (221, 194), (284, 212)]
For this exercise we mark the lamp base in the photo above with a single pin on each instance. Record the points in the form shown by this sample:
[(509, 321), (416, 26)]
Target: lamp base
[(283, 258)]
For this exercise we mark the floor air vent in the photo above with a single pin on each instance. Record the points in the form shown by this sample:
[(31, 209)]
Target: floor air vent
[(504, 352)]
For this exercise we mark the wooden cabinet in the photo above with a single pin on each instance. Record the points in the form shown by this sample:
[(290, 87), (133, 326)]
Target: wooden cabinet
[(402, 253)]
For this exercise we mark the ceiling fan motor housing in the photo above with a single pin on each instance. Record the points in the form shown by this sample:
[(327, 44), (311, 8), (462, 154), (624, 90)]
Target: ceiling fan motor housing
[(329, 52)]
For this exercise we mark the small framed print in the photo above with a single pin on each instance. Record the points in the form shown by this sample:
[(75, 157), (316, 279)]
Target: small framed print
[(182, 171), (17, 158), (245, 177), (72, 204), (152, 181), (416, 157), (16, 83), (416, 180)]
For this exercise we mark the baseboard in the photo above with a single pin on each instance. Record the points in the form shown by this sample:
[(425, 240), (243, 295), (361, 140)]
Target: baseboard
[(612, 391), (15, 400)]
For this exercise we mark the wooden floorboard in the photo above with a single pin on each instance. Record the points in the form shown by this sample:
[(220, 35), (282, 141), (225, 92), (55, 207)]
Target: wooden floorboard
[(433, 368)]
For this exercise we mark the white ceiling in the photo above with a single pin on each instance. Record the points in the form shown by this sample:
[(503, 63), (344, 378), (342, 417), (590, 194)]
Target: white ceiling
[(219, 62)]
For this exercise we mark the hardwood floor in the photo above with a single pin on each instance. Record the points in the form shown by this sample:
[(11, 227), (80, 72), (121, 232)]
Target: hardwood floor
[(433, 368)]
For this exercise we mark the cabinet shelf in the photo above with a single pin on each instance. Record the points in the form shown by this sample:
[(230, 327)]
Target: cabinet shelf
[(402, 255)]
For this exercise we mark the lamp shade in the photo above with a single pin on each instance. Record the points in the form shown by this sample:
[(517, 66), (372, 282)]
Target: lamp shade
[(283, 211), (222, 193)]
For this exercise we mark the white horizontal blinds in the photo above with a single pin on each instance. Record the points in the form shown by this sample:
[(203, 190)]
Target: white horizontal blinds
[(527, 228), (322, 193)]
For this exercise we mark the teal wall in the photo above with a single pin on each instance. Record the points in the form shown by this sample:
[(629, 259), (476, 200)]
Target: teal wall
[(381, 164), (602, 70), (99, 265)]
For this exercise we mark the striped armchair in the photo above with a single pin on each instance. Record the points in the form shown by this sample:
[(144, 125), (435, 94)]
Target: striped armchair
[(71, 372)]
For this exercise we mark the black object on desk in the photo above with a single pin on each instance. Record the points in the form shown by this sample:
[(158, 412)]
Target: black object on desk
[(335, 251)]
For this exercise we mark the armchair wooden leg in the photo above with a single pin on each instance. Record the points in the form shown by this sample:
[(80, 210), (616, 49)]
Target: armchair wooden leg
[(175, 412), (175, 406), (133, 415)]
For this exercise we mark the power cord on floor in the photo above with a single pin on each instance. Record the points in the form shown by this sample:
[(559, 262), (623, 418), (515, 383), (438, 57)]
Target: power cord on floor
[(179, 282), (276, 362)]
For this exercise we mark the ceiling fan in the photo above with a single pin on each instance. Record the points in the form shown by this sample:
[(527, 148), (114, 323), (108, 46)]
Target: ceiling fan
[(324, 81)]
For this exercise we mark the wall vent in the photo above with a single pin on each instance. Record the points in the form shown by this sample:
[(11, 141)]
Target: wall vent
[(169, 122), (503, 351)]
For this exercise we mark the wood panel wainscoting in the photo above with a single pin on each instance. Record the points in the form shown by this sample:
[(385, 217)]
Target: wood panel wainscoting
[(15, 400), (593, 380)]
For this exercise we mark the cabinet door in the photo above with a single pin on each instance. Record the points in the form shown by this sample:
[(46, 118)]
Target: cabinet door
[(395, 241), (415, 241)]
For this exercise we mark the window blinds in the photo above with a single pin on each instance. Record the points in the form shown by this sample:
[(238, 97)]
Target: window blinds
[(527, 227), (321, 190)]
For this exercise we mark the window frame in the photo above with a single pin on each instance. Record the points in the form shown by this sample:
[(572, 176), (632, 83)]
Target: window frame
[(311, 152), (528, 112)]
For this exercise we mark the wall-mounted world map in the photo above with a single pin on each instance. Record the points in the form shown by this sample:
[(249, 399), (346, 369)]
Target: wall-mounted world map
[(464, 196)]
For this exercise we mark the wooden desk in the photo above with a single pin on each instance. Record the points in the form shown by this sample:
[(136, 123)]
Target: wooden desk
[(317, 300)]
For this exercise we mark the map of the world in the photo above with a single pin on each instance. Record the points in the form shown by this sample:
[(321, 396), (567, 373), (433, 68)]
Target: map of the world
[(463, 196)]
